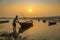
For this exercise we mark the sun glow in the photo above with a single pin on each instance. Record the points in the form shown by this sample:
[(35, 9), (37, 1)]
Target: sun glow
[(30, 10)]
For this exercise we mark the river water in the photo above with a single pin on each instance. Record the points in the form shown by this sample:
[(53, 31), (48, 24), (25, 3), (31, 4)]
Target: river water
[(39, 31)]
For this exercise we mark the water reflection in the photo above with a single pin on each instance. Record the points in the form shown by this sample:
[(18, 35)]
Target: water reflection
[(40, 30)]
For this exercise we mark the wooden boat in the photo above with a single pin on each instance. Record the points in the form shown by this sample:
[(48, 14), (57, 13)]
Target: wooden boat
[(5, 21), (44, 21), (52, 23), (25, 26)]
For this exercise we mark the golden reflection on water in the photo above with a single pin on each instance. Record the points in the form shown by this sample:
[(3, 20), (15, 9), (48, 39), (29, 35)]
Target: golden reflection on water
[(39, 30)]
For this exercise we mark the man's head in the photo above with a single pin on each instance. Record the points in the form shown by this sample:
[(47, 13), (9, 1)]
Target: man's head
[(16, 16)]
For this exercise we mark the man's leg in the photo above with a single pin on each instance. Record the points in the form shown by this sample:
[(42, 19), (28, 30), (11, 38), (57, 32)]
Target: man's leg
[(14, 30)]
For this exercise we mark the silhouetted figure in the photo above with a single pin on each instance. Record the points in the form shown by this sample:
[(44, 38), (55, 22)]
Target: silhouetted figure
[(14, 26)]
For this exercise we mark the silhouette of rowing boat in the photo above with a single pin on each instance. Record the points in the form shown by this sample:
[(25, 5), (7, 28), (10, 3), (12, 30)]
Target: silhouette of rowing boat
[(5, 21), (52, 23), (25, 26)]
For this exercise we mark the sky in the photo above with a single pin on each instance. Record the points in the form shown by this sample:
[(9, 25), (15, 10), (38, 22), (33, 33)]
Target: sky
[(29, 1), (10, 8)]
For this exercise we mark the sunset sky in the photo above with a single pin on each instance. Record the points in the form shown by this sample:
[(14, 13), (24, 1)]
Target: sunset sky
[(30, 8)]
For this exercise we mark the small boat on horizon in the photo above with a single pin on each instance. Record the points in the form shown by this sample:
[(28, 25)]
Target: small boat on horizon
[(52, 23)]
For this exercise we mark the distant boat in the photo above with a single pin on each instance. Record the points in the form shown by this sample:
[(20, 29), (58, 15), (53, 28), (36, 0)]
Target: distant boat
[(38, 19), (51, 23), (44, 21), (5, 21)]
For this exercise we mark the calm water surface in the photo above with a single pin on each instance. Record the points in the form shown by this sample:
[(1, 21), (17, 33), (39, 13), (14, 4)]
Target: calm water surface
[(39, 31)]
